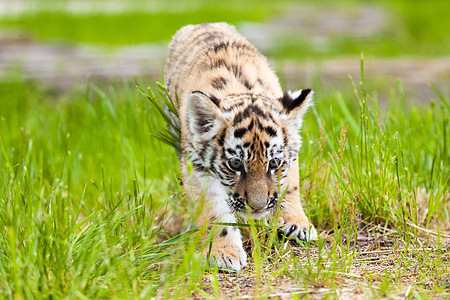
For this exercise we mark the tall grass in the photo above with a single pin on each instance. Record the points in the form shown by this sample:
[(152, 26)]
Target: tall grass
[(83, 186), (391, 163)]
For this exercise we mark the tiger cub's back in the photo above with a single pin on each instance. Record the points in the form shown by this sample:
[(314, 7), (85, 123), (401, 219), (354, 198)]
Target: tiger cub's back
[(215, 59)]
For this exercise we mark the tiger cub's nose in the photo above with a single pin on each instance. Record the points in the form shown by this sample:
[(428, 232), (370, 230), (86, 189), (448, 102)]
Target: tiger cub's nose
[(257, 205)]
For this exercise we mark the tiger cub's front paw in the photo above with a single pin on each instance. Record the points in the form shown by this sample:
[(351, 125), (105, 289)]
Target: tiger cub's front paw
[(301, 229), (228, 255)]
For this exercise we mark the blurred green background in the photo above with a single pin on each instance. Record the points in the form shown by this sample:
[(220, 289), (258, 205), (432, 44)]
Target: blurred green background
[(403, 27), (310, 43)]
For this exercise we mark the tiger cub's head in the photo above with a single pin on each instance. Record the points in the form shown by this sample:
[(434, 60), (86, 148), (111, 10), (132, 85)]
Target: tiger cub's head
[(248, 142)]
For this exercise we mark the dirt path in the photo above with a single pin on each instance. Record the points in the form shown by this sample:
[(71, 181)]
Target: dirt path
[(63, 66), (382, 75)]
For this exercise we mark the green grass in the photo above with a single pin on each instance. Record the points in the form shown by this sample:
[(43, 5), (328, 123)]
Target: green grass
[(82, 185)]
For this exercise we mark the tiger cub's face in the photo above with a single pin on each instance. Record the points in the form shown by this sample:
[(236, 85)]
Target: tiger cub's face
[(247, 142)]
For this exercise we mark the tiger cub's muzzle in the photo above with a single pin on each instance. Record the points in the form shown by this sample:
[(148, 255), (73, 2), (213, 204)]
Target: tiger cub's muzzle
[(242, 203)]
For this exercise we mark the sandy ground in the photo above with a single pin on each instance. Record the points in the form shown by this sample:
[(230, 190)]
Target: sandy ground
[(373, 256)]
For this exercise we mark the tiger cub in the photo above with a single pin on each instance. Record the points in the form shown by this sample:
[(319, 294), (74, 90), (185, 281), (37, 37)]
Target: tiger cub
[(239, 131)]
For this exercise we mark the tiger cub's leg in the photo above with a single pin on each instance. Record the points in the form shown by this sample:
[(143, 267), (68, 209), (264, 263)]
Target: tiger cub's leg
[(292, 218), (226, 250)]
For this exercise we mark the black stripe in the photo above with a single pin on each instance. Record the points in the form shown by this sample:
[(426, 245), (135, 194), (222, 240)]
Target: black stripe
[(218, 63), (251, 125), (256, 110), (202, 151), (233, 107), (198, 167), (270, 131), (241, 116), (238, 133), (237, 70), (247, 112), (221, 46), (247, 84), (238, 118), (221, 139), (239, 45), (213, 158), (285, 137), (241, 95), (219, 83), (260, 126)]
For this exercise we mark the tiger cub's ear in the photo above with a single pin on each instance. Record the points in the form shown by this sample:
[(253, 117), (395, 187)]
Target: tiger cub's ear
[(295, 104), (202, 115)]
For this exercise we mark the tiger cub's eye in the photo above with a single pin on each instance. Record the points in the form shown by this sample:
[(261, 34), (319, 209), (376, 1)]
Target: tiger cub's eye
[(274, 163), (235, 163)]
